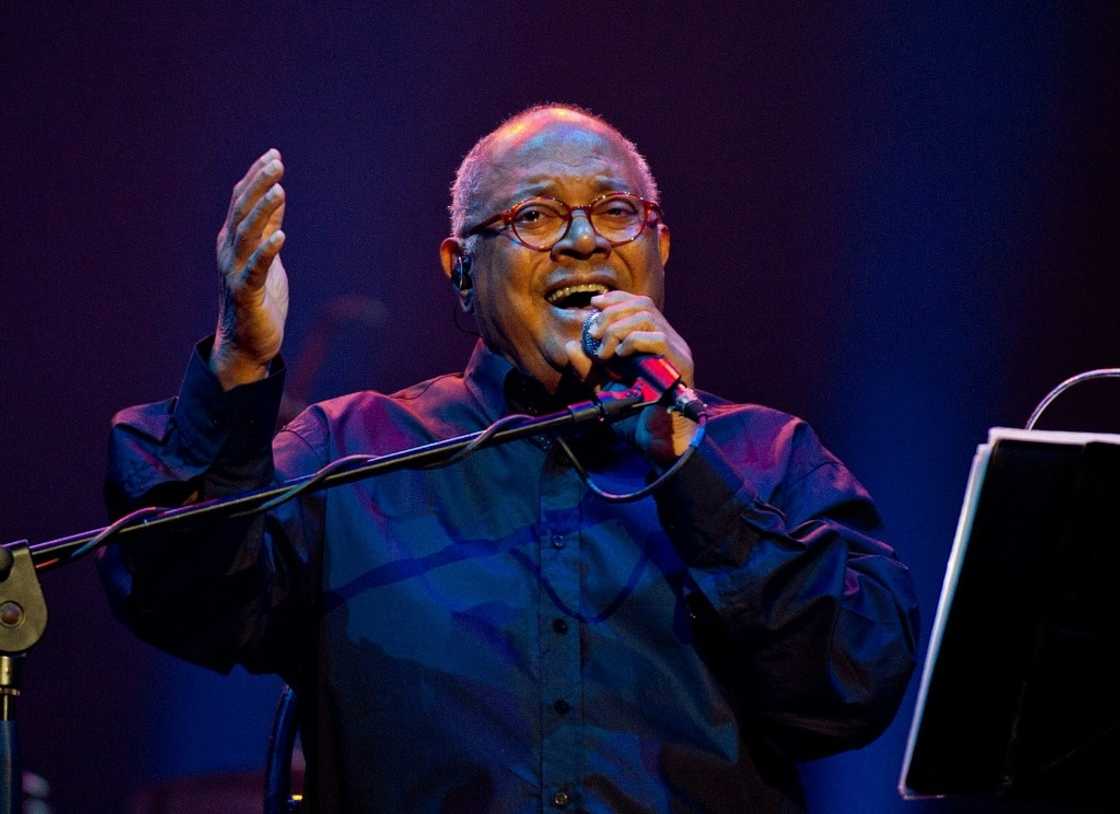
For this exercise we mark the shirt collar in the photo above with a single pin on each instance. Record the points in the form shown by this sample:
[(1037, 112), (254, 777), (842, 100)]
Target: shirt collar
[(485, 378), (502, 389)]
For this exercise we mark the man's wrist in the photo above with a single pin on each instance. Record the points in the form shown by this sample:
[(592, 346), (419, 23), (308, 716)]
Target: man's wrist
[(683, 431), (664, 438), (233, 369), (214, 422)]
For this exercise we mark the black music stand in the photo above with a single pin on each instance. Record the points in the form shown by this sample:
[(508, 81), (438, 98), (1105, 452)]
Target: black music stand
[(1019, 697)]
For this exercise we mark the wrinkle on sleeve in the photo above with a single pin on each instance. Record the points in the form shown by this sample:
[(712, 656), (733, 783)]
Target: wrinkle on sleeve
[(221, 592), (817, 618)]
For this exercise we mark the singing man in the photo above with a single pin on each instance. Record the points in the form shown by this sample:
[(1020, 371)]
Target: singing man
[(495, 635)]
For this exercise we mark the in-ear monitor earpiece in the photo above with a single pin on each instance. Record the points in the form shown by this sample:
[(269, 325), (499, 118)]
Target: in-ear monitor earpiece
[(461, 275)]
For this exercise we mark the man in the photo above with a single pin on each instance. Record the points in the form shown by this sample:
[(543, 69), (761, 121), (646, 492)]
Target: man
[(494, 636)]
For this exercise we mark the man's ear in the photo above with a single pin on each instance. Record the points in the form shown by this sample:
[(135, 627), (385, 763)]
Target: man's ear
[(457, 267), (663, 242)]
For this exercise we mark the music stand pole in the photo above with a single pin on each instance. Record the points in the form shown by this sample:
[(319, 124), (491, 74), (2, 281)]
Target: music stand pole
[(23, 616)]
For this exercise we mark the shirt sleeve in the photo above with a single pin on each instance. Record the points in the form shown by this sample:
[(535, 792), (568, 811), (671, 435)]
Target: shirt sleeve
[(222, 592), (802, 610)]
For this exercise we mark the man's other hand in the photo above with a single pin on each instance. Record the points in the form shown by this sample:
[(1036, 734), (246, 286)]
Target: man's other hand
[(254, 297)]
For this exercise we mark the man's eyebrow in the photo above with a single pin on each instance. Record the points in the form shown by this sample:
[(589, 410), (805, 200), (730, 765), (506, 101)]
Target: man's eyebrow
[(549, 188), (532, 190)]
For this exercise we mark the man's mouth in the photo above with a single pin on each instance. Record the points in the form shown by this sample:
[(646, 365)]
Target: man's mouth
[(575, 296)]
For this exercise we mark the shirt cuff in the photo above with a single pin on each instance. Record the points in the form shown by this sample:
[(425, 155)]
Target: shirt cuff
[(217, 424), (703, 508)]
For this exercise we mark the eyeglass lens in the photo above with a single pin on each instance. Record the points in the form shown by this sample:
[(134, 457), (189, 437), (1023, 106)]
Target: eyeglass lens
[(540, 222)]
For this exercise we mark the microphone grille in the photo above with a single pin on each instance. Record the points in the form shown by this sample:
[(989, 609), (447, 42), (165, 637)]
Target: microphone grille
[(590, 343)]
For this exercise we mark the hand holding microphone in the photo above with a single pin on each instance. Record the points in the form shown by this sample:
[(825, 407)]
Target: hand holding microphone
[(655, 376), (634, 343)]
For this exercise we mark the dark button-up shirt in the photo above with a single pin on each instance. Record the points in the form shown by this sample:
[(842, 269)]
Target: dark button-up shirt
[(493, 636)]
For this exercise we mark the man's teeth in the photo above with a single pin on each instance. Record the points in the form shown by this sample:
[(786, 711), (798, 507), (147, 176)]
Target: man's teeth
[(570, 290)]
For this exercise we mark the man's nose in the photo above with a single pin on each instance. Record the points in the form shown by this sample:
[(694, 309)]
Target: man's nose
[(581, 240)]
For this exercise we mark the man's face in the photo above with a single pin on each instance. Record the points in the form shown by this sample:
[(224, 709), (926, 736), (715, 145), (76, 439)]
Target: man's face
[(516, 288)]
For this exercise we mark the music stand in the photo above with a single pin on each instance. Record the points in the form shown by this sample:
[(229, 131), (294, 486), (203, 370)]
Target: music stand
[(1018, 697)]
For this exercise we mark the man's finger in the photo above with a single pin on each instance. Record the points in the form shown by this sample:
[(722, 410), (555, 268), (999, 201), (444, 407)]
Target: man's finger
[(257, 185), (611, 312), (256, 272), (276, 219), (656, 343), (616, 296), (613, 332), (249, 231), (624, 300), (652, 342), (268, 155)]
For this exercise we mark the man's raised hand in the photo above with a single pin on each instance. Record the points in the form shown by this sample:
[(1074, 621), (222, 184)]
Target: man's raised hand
[(254, 287)]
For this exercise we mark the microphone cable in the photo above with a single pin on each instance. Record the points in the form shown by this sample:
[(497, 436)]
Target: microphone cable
[(360, 459), (140, 516), (627, 497)]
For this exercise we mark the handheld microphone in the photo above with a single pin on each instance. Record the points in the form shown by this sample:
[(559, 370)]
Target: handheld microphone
[(655, 376)]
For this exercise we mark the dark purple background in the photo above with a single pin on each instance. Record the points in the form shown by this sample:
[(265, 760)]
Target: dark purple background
[(893, 221)]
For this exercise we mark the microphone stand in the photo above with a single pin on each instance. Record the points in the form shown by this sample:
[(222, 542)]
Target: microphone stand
[(23, 610)]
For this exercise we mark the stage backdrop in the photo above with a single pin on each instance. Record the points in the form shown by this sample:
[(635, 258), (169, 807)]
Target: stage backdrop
[(894, 220)]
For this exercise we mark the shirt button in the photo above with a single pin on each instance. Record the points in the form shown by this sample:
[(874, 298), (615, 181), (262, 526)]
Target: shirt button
[(560, 799), (559, 625), (557, 540), (561, 706)]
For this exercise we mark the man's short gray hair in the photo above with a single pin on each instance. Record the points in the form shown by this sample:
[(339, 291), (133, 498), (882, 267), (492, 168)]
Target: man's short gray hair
[(468, 179)]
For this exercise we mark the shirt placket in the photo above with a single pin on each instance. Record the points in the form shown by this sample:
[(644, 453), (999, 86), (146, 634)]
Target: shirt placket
[(561, 706)]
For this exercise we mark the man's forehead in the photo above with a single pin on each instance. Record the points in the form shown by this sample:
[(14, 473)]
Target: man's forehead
[(530, 152)]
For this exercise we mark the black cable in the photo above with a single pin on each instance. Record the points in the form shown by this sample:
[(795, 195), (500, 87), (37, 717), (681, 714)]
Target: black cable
[(329, 469), (460, 328), (113, 528), (482, 438), (600, 409), (358, 459), (613, 497)]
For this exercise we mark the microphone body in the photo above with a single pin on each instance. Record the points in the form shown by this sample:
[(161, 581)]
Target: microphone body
[(654, 375)]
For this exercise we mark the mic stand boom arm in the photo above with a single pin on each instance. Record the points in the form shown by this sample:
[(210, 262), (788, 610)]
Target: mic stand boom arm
[(23, 611)]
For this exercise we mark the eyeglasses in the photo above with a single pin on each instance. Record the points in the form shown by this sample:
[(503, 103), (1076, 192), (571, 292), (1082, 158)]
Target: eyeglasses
[(540, 223)]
